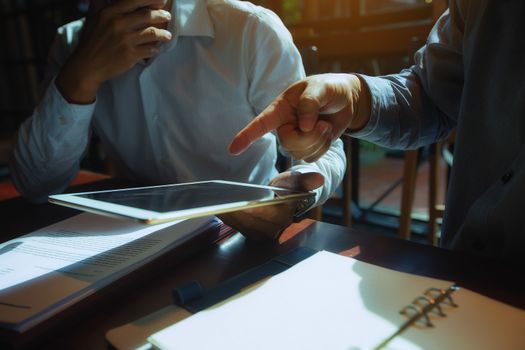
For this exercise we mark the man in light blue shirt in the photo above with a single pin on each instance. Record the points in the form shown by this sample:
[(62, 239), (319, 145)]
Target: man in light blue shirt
[(165, 85), (470, 76)]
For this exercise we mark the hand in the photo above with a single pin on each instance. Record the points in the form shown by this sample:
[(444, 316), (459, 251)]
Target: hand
[(268, 222), (113, 40), (310, 115)]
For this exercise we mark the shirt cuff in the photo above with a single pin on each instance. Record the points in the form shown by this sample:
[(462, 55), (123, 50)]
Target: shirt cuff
[(61, 117), (383, 102), (307, 168)]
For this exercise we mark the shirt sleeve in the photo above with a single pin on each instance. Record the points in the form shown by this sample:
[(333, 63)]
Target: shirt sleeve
[(272, 60), (50, 143), (331, 165), (275, 64), (420, 105)]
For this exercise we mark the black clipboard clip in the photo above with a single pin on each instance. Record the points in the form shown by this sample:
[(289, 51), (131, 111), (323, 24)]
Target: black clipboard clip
[(194, 298)]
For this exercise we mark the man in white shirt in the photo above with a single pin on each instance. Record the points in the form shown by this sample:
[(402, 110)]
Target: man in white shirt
[(165, 85)]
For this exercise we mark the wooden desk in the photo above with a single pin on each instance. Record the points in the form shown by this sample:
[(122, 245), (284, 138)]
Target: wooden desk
[(84, 325)]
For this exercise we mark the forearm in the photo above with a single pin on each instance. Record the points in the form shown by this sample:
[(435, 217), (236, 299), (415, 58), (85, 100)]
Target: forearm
[(420, 105), (49, 146), (361, 100), (402, 115), (74, 84)]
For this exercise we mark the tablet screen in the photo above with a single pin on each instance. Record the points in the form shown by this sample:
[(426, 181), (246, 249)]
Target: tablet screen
[(190, 196), (156, 204)]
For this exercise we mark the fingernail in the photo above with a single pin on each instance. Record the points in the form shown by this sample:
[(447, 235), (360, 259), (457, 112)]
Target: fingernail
[(168, 34), (165, 14), (233, 149)]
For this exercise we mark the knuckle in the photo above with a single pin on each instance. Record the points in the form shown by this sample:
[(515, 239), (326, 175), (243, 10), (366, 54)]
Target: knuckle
[(308, 101), (151, 31), (146, 14)]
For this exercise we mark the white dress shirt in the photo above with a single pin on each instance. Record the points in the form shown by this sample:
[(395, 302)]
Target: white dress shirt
[(170, 119)]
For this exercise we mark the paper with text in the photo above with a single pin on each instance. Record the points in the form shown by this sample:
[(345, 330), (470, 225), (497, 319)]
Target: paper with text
[(45, 271)]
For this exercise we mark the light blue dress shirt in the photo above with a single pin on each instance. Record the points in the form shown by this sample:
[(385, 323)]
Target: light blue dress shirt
[(470, 75), (170, 119)]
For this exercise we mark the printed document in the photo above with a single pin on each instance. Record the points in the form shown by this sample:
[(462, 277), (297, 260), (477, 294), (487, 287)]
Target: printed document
[(49, 269)]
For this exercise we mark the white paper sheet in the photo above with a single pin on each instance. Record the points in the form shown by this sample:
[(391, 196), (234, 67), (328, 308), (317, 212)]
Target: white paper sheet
[(45, 271), (333, 302)]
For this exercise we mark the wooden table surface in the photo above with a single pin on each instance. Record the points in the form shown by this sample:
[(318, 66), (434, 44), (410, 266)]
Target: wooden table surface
[(84, 325)]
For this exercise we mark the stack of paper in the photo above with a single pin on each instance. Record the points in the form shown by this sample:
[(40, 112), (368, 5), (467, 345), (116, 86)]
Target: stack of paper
[(45, 271)]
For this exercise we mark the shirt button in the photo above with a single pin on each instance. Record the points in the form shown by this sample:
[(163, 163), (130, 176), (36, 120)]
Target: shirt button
[(62, 120), (155, 117), (506, 177)]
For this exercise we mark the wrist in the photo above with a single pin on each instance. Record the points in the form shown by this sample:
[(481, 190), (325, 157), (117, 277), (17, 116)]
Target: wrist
[(361, 101), (75, 84)]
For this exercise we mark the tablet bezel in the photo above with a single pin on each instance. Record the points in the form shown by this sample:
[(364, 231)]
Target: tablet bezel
[(73, 200)]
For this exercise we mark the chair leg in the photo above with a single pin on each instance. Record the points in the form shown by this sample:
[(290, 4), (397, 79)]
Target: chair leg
[(432, 194), (347, 183), (407, 197), (346, 201)]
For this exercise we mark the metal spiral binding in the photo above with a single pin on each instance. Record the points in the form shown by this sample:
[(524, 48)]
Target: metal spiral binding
[(421, 307)]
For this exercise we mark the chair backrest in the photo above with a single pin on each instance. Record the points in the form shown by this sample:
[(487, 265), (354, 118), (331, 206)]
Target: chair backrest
[(310, 57)]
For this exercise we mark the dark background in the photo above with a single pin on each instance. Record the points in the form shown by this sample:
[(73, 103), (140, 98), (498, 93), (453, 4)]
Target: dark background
[(27, 28)]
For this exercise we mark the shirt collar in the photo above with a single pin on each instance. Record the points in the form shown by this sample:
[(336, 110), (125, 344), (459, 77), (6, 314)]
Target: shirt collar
[(191, 19)]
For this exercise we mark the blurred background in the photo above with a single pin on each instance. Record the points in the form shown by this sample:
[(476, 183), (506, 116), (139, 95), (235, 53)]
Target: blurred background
[(386, 189)]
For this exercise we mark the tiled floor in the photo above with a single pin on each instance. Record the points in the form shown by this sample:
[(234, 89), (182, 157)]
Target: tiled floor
[(378, 176)]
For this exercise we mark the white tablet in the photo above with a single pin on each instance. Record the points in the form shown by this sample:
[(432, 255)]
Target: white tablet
[(156, 204)]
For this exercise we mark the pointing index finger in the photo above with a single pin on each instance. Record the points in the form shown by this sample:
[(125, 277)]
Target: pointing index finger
[(277, 114)]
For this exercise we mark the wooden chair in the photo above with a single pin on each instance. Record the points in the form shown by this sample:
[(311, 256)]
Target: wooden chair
[(395, 41), (361, 38), (410, 162), (435, 209), (8, 190), (410, 168), (410, 174), (344, 201)]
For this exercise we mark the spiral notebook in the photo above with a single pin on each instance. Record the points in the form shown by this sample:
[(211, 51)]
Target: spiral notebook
[(328, 301)]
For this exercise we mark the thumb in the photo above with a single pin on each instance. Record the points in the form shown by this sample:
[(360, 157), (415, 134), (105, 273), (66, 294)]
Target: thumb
[(311, 102), (298, 181)]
